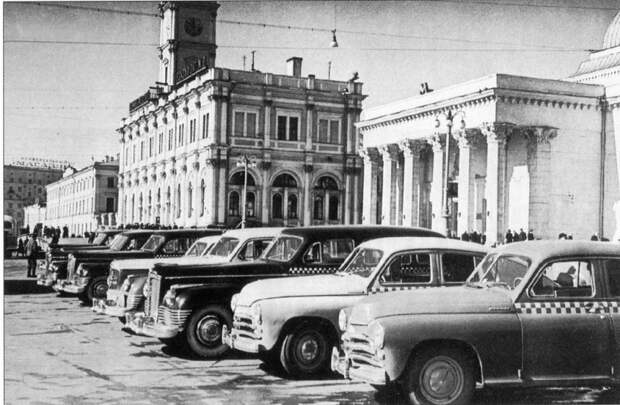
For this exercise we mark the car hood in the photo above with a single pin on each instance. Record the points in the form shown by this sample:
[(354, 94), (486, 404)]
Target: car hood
[(439, 300), (140, 264), (304, 286)]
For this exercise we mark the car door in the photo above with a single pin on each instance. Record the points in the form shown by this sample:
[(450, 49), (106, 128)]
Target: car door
[(324, 257), (612, 276), (566, 329), (408, 270)]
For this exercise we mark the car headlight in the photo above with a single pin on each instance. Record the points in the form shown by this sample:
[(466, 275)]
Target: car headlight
[(233, 302), (376, 334), (255, 313), (170, 298), (342, 320), (82, 271)]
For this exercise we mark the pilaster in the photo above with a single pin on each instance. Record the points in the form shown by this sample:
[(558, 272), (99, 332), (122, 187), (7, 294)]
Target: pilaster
[(389, 154), (412, 174), (437, 185), (369, 203)]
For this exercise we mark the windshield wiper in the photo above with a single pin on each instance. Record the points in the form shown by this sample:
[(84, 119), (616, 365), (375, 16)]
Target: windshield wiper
[(490, 284)]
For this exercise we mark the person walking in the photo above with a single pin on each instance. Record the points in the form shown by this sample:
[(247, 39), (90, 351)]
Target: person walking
[(31, 253)]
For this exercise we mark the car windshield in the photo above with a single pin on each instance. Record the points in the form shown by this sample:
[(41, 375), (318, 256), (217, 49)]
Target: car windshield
[(283, 249), (119, 242), (224, 247), (362, 262), (197, 249), (500, 270), (99, 239), (153, 243)]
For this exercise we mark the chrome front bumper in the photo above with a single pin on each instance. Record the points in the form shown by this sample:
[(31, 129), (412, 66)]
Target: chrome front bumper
[(144, 325), (341, 364), (70, 286), (241, 343), (117, 303)]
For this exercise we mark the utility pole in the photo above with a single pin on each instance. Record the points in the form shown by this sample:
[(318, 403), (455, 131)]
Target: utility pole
[(253, 52)]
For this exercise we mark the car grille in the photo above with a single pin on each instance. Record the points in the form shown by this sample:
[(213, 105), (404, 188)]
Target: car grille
[(357, 347), (70, 268), (151, 302), (132, 301), (113, 279), (172, 317), (242, 324)]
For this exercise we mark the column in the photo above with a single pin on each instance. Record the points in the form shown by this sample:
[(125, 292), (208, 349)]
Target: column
[(222, 196), (196, 190), (348, 185), (437, 221), (309, 125), (412, 172), (307, 205), (265, 192), (369, 200), (356, 195), (496, 134), (388, 210), (466, 214)]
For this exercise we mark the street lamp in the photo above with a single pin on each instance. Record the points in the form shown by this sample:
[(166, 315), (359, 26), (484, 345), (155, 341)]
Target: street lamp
[(449, 118), (246, 162)]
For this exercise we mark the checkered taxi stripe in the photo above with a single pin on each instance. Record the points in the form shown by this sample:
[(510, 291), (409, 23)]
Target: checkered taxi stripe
[(377, 290), (313, 270), (568, 307)]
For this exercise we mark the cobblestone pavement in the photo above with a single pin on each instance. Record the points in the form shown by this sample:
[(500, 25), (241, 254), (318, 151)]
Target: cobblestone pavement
[(59, 352)]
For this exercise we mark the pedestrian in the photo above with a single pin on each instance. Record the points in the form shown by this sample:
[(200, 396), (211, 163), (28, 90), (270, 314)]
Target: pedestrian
[(530, 235), (31, 253), (91, 237), (522, 235), (65, 231), (515, 236), (508, 238), (55, 237), (20, 247), (562, 236), (465, 236), (594, 237)]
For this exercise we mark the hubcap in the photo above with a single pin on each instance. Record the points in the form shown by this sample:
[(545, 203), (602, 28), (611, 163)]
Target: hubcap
[(308, 349), (100, 290), (209, 330), (441, 380)]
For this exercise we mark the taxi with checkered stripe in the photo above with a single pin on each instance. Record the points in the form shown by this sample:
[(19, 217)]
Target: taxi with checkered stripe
[(536, 313), (294, 321)]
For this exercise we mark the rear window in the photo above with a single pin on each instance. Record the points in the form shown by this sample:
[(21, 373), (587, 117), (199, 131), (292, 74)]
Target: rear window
[(613, 276), (458, 266)]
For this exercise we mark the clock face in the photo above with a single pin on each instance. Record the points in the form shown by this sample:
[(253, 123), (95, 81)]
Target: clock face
[(193, 26)]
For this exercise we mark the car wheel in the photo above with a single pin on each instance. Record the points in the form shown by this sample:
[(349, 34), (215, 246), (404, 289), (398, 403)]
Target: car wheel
[(98, 288), (305, 351), (204, 331), (442, 376)]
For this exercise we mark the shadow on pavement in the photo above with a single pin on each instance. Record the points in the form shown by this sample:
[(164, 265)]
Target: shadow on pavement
[(24, 286)]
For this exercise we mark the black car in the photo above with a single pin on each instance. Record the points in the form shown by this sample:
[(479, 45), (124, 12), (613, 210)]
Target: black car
[(87, 270), (196, 303)]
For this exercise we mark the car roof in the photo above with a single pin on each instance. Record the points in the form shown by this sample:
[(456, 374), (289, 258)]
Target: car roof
[(187, 231), (396, 244), (209, 238), (323, 231), (138, 232), (254, 232), (542, 249)]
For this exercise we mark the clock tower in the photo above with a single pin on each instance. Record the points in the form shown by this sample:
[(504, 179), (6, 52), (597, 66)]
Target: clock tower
[(187, 39)]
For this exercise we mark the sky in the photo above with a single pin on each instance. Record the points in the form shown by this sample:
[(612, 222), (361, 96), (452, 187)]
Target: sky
[(65, 101)]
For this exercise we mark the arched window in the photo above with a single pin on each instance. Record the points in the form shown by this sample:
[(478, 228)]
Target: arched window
[(158, 202), (140, 208), (326, 183), (250, 204), (203, 189), (333, 208), (178, 201), (168, 199), (150, 204), (190, 195), (276, 206), (233, 204), (285, 180), (237, 179), (292, 206), (318, 208)]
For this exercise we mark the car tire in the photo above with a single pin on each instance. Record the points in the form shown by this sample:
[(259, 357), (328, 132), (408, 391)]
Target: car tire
[(97, 288), (204, 331), (457, 382), (305, 352)]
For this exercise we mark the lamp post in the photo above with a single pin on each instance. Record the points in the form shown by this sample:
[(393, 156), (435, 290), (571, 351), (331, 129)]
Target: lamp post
[(449, 118), (246, 162)]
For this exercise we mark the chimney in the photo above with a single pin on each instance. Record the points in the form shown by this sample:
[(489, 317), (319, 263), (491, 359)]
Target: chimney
[(293, 66)]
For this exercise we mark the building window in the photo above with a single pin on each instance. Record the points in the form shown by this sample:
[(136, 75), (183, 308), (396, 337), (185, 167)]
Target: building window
[(276, 206), (109, 205), (178, 201), (203, 189), (326, 192), (160, 146), (140, 209), (292, 206), (189, 200), (110, 182), (250, 203), (205, 126), (329, 131), (158, 202), (233, 204), (334, 201), (245, 124), (142, 150), (288, 128), (134, 154), (149, 206), (170, 139), (318, 208), (151, 147), (180, 136), (168, 200), (192, 130)]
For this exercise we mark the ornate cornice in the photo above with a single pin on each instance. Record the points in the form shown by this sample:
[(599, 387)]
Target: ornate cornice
[(538, 134)]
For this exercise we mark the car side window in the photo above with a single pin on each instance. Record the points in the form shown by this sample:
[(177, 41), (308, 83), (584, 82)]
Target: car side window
[(571, 278), (331, 251), (175, 246), (407, 268), (613, 276), (136, 243), (253, 249), (458, 266)]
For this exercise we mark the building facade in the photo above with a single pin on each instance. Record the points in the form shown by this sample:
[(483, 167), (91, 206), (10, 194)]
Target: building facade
[(24, 184), (522, 153), (184, 143), (85, 199), (33, 215)]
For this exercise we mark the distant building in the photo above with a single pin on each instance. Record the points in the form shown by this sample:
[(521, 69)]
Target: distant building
[(34, 214), (24, 184), (524, 153), (183, 141), (84, 199)]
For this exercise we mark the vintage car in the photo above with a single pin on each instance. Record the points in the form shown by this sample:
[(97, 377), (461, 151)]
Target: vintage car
[(189, 305), (539, 313), (57, 269), (127, 277), (296, 321), (58, 254), (87, 271)]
